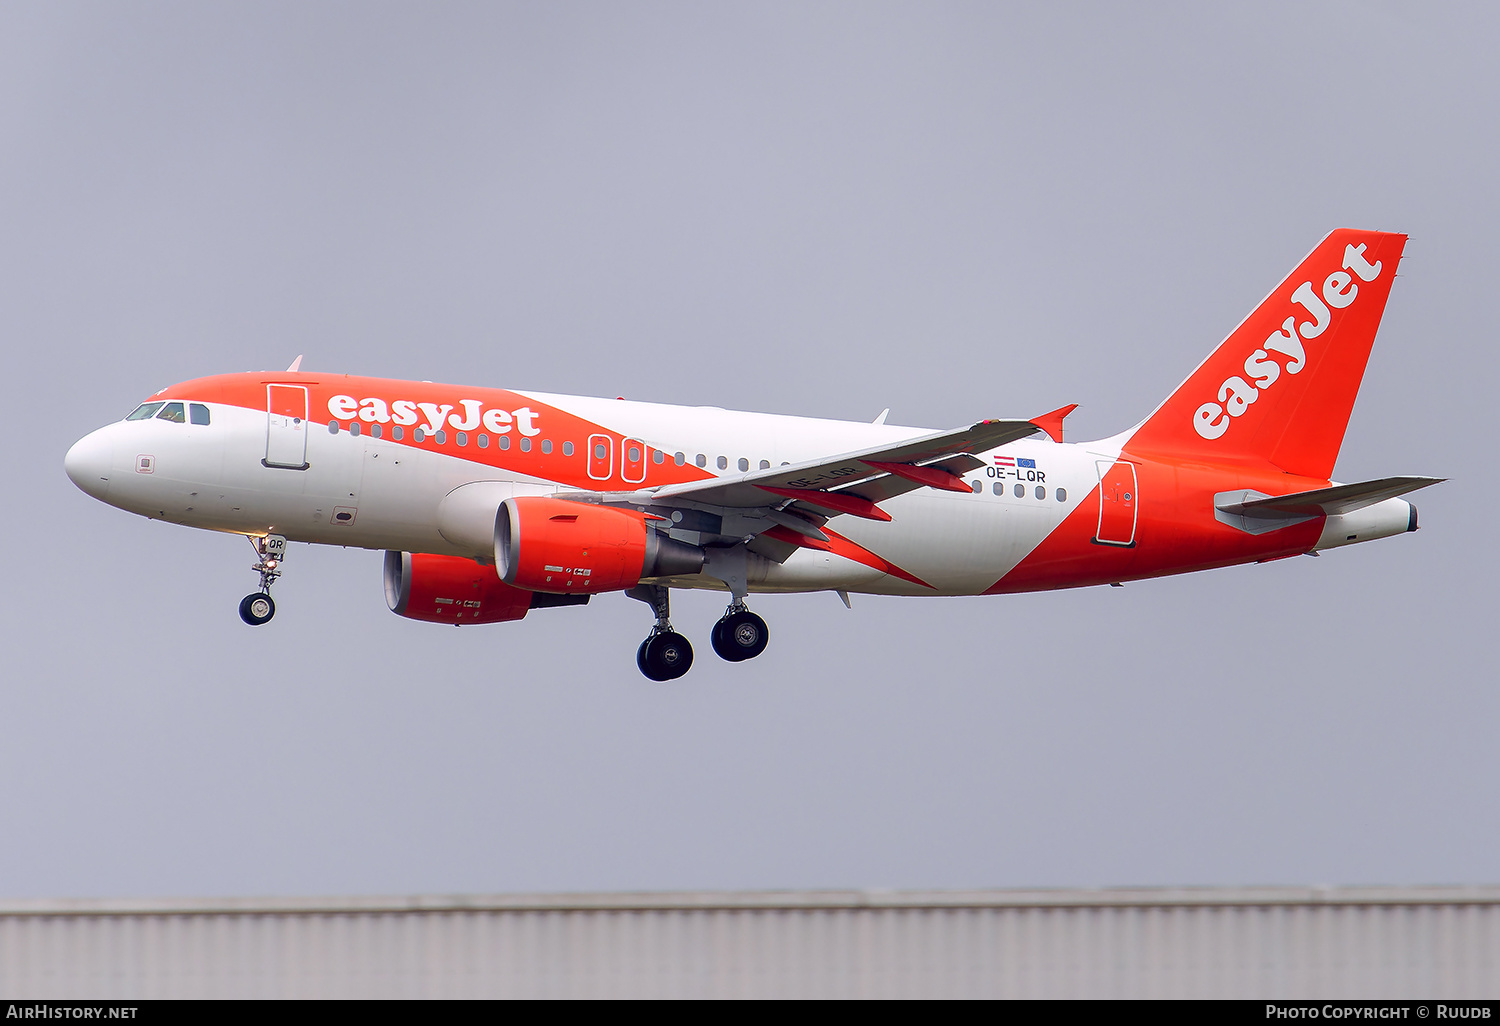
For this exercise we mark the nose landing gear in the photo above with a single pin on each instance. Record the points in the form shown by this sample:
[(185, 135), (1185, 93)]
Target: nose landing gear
[(665, 654), (258, 607), (740, 634)]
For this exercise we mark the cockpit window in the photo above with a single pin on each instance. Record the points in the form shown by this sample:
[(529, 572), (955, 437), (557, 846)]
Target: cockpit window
[(173, 412), (145, 411), (199, 413)]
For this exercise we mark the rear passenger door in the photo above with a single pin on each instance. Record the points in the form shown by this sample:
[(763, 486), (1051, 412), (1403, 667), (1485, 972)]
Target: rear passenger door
[(1117, 503)]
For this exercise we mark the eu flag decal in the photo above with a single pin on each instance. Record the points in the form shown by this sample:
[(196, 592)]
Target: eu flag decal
[(1026, 463)]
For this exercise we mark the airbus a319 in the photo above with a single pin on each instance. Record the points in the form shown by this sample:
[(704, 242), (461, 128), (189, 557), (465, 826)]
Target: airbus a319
[(490, 503)]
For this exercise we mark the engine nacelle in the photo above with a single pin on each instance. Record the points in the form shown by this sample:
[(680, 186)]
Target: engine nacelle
[(450, 589), (553, 545)]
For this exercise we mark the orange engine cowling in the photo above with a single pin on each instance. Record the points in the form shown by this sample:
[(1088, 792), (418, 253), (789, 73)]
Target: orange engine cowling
[(450, 589), (553, 545)]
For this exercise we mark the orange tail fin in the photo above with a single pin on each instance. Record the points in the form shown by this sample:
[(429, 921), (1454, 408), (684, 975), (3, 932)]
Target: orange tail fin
[(1282, 385)]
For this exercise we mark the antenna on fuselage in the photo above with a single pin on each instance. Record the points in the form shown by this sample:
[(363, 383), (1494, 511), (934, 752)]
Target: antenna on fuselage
[(296, 364)]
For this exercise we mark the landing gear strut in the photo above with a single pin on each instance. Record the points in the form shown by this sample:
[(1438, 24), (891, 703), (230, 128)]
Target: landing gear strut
[(665, 654), (258, 607), (740, 634)]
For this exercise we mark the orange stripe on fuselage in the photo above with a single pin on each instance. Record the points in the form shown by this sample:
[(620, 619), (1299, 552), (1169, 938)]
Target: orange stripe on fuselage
[(547, 423), (1176, 530)]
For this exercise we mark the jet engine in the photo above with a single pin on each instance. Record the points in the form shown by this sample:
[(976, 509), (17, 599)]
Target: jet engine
[(553, 545), (450, 589)]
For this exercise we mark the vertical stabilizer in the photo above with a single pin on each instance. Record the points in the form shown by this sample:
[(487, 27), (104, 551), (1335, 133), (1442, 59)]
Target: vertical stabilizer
[(1282, 385)]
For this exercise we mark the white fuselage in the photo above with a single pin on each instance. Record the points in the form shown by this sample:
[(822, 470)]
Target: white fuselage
[(380, 494)]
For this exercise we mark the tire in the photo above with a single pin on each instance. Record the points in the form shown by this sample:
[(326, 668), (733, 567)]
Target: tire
[(723, 647), (640, 657), (666, 656), (741, 636), (257, 609)]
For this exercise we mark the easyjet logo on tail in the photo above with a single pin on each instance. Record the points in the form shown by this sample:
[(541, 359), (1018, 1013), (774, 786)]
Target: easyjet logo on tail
[(1262, 370)]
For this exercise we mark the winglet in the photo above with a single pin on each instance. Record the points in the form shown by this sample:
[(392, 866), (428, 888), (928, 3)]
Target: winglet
[(1052, 423), (296, 365)]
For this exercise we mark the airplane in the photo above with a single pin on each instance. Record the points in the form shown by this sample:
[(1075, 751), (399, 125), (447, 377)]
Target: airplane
[(490, 503)]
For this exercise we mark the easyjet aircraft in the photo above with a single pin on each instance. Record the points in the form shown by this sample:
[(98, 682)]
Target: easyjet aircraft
[(491, 503)]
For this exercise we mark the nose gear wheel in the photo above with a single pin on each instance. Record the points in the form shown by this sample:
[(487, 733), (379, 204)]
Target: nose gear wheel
[(257, 608)]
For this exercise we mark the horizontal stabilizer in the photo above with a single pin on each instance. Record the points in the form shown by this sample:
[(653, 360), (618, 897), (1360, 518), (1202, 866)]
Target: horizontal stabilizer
[(1325, 501)]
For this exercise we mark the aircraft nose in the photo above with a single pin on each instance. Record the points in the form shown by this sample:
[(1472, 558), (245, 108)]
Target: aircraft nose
[(88, 463)]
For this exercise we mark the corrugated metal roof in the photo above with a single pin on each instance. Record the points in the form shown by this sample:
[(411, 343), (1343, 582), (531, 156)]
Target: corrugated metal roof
[(1410, 942), (663, 900)]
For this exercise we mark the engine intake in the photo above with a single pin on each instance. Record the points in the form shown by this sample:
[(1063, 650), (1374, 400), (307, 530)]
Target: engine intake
[(553, 545)]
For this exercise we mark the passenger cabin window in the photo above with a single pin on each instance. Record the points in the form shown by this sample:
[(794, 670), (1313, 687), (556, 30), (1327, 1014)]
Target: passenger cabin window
[(198, 413), (145, 411), (173, 412)]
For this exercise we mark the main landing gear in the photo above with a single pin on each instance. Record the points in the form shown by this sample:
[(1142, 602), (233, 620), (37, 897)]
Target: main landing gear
[(739, 634), (667, 655), (258, 607)]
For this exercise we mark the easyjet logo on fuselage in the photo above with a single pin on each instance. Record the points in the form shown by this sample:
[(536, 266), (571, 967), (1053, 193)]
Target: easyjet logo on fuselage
[(470, 416), (1262, 370)]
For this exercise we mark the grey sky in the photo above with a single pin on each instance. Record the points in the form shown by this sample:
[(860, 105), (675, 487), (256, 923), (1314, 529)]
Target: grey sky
[(954, 210)]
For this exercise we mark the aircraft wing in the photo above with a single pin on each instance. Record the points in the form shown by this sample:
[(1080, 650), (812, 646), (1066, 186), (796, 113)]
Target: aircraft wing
[(855, 482)]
